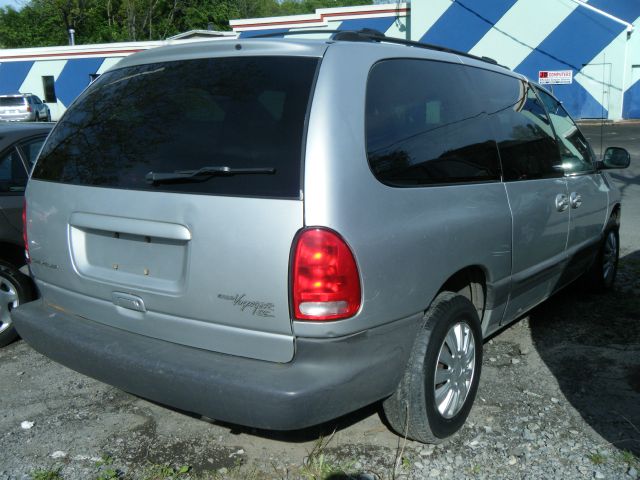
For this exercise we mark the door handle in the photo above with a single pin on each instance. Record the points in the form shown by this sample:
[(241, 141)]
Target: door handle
[(575, 199), (562, 202)]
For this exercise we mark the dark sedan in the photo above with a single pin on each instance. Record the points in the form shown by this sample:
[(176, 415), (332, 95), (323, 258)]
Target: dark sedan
[(19, 147)]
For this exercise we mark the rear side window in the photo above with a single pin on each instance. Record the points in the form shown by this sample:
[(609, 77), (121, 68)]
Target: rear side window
[(241, 112), (424, 125), (13, 176), (31, 148), (527, 146)]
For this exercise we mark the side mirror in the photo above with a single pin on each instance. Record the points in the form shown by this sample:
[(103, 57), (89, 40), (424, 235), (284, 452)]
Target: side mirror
[(615, 157)]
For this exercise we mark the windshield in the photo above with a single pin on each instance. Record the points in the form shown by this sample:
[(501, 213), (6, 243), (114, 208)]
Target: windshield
[(241, 112)]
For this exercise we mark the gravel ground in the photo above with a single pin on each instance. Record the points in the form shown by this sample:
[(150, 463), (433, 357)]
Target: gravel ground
[(559, 398)]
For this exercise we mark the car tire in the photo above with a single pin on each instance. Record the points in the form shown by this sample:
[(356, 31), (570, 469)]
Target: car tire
[(450, 339), (15, 289), (48, 116), (601, 276)]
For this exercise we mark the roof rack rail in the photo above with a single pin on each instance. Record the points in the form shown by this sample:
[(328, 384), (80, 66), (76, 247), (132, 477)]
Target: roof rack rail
[(371, 35)]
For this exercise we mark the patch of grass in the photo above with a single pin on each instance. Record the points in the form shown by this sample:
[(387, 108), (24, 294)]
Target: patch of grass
[(166, 472), (630, 459), (318, 466), (104, 460), (475, 470), (104, 472), (108, 474), (47, 474), (597, 458)]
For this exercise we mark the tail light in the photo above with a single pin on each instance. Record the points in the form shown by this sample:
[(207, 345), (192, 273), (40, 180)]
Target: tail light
[(25, 238), (28, 108), (325, 278)]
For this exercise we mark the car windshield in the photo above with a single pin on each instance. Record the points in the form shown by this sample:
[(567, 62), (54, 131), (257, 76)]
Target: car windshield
[(241, 112)]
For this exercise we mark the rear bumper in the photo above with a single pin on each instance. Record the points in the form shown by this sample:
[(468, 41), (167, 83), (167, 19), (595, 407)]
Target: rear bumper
[(326, 379), (18, 117)]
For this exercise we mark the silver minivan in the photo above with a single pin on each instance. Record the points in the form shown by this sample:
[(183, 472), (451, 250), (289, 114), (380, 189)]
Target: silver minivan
[(275, 232)]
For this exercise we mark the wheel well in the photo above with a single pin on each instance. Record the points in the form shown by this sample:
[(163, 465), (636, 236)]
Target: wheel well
[(471, 283), (12, 253), (615, 215)]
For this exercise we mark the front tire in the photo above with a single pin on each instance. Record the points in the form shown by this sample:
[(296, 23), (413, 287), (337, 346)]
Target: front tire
[(440, 383), (15, 289)]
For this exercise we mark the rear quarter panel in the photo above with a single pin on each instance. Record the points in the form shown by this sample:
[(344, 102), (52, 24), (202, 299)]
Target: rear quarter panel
[(407, 241)]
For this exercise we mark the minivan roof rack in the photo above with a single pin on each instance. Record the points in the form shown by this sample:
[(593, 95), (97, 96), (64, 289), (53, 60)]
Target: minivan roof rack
[(371, 35)]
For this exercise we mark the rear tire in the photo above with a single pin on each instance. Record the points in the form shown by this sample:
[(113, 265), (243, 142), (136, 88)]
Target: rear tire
[(601, 276), (15, 289), (440, 382)]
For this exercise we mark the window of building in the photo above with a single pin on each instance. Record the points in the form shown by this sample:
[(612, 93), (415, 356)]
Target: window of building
[(49, 87)]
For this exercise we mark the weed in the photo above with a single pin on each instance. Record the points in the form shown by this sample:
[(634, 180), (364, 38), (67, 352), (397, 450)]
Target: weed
[(475, 470), (400, 459), (317, 466), (108, 474), (104, 460), (166, 472), (47, 474), (629, 458), (597, 458)]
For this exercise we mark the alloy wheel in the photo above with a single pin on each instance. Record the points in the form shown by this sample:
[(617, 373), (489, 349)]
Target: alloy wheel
[(454, 370)]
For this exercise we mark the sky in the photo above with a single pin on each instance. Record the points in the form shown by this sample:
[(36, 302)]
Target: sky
[(13, 3)]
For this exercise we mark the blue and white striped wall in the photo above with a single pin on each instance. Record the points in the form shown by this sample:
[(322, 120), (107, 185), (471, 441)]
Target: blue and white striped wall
[(22, 70), (597, 40)]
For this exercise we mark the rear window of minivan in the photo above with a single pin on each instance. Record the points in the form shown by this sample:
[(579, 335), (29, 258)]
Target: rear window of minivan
[(240, 112)]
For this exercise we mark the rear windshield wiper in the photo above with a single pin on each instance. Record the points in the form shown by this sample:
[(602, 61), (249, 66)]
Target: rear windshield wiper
[(204, 173)]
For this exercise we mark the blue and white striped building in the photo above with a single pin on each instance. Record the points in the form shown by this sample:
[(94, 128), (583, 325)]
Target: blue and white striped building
[(58, 74), (597, 40)]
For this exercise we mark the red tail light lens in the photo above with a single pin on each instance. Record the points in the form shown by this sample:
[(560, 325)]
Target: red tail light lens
[(25, 238), (28, 108), (326, 282)]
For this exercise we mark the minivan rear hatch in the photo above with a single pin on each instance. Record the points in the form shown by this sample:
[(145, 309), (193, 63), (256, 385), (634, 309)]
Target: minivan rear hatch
[(166, 200)]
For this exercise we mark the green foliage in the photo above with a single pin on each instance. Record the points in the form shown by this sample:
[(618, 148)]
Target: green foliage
[(46, 22), (108, 474), (104, 460), (46, 475), (166, 472), (630, 459), (597, 458), (320, 466)]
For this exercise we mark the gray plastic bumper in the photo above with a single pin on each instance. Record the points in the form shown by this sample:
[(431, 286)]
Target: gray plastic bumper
[(326, 379)]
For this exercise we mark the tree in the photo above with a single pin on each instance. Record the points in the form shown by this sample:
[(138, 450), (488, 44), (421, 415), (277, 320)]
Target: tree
[(46, 22)]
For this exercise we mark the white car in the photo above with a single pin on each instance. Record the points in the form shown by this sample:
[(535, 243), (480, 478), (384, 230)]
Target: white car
[(23, 107)]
